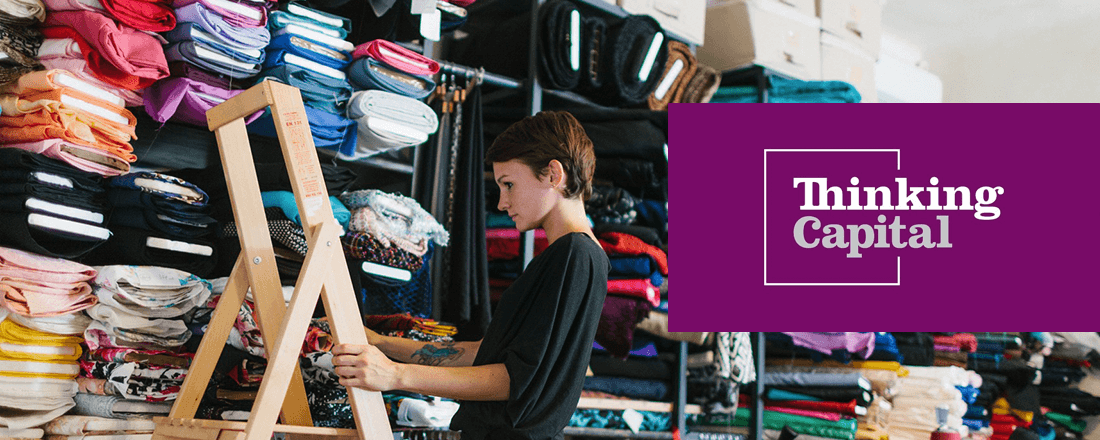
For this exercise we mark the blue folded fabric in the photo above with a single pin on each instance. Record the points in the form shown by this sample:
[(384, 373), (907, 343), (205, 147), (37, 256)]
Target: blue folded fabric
[(318, 91), (330, 131), (370, 74), (778, 394), (976, 412), (975, 425), (281, 19), (791, 91), (288, 43), (628, 267), (188, 51), (628, 387), (285, 201), (193, 32), (969, 394)]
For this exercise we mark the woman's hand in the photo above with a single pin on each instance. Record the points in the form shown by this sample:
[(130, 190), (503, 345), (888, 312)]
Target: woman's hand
[(365, 366)]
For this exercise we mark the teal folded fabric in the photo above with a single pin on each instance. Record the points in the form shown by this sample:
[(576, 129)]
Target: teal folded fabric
[(778, 394), (285, 201), (791, 91)]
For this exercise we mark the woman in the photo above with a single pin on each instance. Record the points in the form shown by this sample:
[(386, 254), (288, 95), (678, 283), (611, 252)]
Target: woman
[(523, 380)]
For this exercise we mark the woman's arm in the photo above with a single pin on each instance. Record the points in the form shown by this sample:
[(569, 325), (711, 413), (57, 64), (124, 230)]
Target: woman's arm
[(365, 366), (447, 354)]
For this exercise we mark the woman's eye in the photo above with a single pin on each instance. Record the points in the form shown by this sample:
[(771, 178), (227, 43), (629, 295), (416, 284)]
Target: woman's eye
[(508, 185)]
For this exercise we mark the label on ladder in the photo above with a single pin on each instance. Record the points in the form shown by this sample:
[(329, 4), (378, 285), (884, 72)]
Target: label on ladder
[(305, 163)]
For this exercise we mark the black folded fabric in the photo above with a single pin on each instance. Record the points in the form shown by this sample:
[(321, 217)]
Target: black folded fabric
[(593, 50), (917, 348), (628, 44), (832, 394), (627, 387), (18, 233), (635, 175), (635, 368), (1070, 401), (128, 246), (555, 45)]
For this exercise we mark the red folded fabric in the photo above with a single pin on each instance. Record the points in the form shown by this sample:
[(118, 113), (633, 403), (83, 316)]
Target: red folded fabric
[(846, 408), (1009, 419), (397, 57), (618, 243), (462, 3), (964, 341), (503, 244), (643, 289), (144, 15), (117, 54)]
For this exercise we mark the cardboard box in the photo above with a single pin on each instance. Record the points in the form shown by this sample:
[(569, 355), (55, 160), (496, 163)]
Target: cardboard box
[(858, 21), (763, 32), (685, 18), (844, 61), (808, 7)]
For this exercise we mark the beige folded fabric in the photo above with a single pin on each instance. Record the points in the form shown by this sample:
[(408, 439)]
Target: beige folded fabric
[(657, 324), (24, 9)]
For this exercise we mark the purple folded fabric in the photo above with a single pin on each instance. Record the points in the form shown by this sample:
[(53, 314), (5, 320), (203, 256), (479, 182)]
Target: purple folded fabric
[(186, 100), (225, 28), (232, 17), (184, 69)]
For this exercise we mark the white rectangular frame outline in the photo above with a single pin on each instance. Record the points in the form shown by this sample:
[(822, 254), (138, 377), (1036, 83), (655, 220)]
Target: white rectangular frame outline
[(821, 150)]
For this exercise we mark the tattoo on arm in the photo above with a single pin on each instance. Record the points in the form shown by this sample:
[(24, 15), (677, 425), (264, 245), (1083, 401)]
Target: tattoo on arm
[(436, 355)]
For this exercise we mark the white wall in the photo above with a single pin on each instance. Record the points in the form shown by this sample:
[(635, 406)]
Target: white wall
[(1059, 63)]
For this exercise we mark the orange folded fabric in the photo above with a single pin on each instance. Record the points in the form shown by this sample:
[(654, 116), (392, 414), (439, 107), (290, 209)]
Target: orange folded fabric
[(31, 121)]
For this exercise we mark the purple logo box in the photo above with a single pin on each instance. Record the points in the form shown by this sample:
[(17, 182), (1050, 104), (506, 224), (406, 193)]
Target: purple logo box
[(984, 216)]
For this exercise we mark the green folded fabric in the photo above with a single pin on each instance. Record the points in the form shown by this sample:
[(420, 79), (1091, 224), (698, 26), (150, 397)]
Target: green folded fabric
[(1068, 421), (844, 429)]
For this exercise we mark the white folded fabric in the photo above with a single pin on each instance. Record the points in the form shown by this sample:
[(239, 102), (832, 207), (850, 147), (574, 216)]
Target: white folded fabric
[(388, 121)]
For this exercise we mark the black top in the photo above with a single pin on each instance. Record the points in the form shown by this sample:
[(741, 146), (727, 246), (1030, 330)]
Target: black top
[(542, 331)]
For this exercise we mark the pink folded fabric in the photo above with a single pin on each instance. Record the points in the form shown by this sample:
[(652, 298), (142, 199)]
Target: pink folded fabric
[(90, 159), (118, 54), (830, 416), (79, 68), (230, 16), (38, 286), (15, 263), (643, 288), (39, 305), (397, 57), (72, 5)]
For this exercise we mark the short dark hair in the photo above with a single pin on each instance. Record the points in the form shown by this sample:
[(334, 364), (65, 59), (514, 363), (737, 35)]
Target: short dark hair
[(546, 136)]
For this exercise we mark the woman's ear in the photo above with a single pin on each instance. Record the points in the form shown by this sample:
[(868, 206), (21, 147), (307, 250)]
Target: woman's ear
[(557, 174)]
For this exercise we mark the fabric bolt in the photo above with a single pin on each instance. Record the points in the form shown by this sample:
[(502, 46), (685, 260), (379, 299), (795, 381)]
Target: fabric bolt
[(555, 45), (782, 90), (370, 74), (843, 429), (231, 17), (67, 324), (105, 406), (81, 157), (282, 45), (593, 48), (139, 382), (120, 55), (285, 201), (20, 43), (641, 289), (195, 33), (363, 246), (677, 53), (119, 132), (628, 44), (192, 52), (162, 186), (815, 379), (222, 27), (31, 10), (281, 19), (503, 244), (318, 91), (616, 243), (41, 81), (151, 292), (173, 225), (74, 5), (618, 318), (397, 57), (19, 343), (154, 357), (79, 67), (183, 69), (631, 267), (39, 299), (26, 412), (330, 131), (32, 121), (703, 85), (284, 232), (857, 343), (846, 408), (143, 15), (393, 218), (130, 246), (186, 100), (832, 417), (388, 121), (631, 367)]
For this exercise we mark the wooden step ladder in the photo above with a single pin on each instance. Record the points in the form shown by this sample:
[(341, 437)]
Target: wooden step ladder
[(323, 274)]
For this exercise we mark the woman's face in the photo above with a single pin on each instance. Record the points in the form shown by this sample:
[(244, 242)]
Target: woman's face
[(527, 198)]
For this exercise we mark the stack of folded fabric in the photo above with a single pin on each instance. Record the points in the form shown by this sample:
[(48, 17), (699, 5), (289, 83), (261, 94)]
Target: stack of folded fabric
[(952, 349), (56, 114), (37, 287), (505, 260), (36, 374), (388, 121), (684, 79), (886, 348), (48, 207), (388, 235), (114, 53), (918, 396), (781, 90), (159, 220), (212, 52), (308, 51), (873, 419), (137, 336), (653, 383), (637, 269), (384, 65), (21, 39)]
